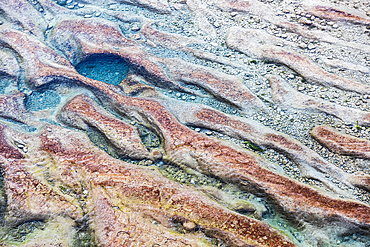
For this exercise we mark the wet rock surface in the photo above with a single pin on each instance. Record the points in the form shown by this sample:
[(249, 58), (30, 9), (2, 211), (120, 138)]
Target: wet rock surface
[(236, 123)]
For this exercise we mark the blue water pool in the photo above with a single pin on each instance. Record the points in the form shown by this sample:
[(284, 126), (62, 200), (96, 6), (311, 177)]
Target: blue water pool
[(47, 99), (111, 69)]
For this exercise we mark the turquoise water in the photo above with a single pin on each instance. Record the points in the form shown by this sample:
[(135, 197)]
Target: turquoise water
[(102, 67), (38, 101), (4, 83)]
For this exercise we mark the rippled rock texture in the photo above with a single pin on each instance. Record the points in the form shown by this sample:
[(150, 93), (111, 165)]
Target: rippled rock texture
[(184, 123)]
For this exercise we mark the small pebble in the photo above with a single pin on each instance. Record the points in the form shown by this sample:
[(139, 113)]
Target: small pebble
[(311, 46), (217, 24), (112, 7), (135, 27), (189, 225), (148, 162), (302, 45), (135, 36), (305, 21)]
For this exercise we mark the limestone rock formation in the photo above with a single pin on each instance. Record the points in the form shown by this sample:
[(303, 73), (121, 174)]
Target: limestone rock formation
[(283, 94), (13, 107), (331, 12), (118, 191), (9, 66), (82, 112), (263, 46), (341, 143), (22, 14), (267, 13), (184, 123)]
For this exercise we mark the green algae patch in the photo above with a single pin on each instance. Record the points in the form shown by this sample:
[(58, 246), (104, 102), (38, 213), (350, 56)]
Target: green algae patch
[(84, 236), (21, 232), (57, 231), (101, 141), (253, 146), (148, 137)]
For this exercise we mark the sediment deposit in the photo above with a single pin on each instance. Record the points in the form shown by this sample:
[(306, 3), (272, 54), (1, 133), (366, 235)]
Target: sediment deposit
[(184, 123)]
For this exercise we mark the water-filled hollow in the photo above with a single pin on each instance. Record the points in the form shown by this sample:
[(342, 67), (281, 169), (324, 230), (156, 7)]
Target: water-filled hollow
[(108, 68), (46, 99)]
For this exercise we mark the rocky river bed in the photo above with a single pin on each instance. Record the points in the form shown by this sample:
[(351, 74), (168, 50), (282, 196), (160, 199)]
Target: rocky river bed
[(184, 123)]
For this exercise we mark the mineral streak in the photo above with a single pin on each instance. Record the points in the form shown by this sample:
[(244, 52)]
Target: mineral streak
[(29, 195), (118, 192), (82, 112), (21, 14), (13, 107), (224, 86), (334, 13), (310, 163), (341, 143), (264, 46), (8, 65), (232, 164), (267, 13), (229, 88), (58, 175), (210, 156), (159, 6), (285, 95)]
